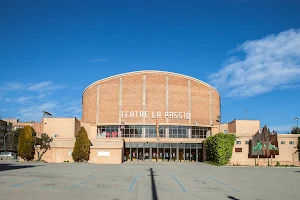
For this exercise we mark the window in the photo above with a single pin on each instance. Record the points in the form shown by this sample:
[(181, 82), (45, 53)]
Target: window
[(238, 149), (291, 142), (237, 142), (69, 152), (225, 131), (246, 142), (282, 142), (199, 132)]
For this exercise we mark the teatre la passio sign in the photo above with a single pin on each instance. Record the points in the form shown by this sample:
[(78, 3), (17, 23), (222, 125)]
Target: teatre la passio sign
[(155, 115)]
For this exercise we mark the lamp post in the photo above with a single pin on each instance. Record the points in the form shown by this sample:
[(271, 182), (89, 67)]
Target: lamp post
[(296, 119), (4, 140)]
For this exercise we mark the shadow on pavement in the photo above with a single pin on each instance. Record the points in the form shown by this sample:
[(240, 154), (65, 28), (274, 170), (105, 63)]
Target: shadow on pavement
[(153, 187), (5, 167), (231, 197), (297, 171)]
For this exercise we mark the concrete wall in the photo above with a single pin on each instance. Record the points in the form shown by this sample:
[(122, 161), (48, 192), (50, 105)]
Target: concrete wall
[(151, 91)]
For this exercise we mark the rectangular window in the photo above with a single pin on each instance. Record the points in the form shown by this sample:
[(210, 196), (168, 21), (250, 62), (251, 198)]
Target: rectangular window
[(282, 142), (70, 153), (291, 142), (237, 142), (246, 142), (238, 149)]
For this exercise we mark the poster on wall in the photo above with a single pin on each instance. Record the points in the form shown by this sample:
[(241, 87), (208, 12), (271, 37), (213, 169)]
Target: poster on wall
[(103, 153), (264, 144)]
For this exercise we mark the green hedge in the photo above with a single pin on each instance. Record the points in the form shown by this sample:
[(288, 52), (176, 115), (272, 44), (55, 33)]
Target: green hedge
[(219, 148)]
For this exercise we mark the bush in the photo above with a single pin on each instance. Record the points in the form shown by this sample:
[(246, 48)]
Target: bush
[(277, 163), (26, 144), (81, 150), (219, 148)]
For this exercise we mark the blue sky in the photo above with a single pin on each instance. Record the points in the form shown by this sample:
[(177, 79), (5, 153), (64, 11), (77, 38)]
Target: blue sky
[(249, 50)]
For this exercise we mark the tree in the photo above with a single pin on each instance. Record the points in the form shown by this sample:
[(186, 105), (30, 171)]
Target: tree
[(26, 144), (81, 150), (295, 130), (42, 144)]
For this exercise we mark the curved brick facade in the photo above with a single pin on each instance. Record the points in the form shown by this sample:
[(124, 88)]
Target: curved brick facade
[(146, 96)]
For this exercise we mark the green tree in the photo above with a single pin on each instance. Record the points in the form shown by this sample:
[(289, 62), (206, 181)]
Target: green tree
[(26, 144), (42, 144), (81, 150)]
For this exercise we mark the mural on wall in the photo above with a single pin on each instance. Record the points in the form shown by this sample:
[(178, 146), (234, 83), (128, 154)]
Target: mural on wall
[(264, 144)]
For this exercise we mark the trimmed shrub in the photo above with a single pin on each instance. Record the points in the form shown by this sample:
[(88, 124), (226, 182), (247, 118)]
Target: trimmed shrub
[(81, 150), (219, 148), (26, 144)]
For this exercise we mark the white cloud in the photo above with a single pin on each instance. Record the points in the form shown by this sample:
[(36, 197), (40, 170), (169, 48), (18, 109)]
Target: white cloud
[(7, 99), (35, 112), (72, 108), (43, 86), (270, 63), (12, 86), (22, 99), (41, 96)]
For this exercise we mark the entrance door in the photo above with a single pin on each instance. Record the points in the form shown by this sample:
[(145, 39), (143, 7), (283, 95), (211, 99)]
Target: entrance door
[(172, 155), (154, 154), (127, 154), (160, 154), (181, 156), (140, 154), (167, 154), (147, 154), (193, 155)]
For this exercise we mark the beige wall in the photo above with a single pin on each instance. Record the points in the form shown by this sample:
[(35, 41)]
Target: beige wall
[(61, 151), (64, 127), (150, 91), (286, 152), (249, 127)]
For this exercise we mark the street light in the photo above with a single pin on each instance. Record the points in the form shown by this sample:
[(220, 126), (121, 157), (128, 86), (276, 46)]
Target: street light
[(296, 119), (4, 139)]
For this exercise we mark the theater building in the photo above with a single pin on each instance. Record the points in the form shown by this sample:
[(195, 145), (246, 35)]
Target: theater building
[(143, 116)]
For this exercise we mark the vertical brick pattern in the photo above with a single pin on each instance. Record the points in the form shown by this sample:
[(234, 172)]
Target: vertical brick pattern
[(178, 97), (215, 106), (109, 101), (89, 105), (155, 96), (200, 103), (132, 94), (155, 99)]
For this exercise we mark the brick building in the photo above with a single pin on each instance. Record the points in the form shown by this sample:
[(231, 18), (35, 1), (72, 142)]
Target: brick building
[(149, 116)]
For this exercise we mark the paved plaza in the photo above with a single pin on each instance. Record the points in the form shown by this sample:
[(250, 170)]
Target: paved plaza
[(146, 180)]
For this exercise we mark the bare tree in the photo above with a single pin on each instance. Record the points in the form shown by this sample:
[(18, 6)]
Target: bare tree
[(42, 144)]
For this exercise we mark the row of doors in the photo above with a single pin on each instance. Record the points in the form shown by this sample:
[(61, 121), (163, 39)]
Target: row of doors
[(163, 154)]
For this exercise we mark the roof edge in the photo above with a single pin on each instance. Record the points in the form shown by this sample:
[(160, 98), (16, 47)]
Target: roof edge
[(150, 71)]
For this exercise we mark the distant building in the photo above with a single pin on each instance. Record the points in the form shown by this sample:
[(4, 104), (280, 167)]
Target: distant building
[(17, 124), (5, 128)]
